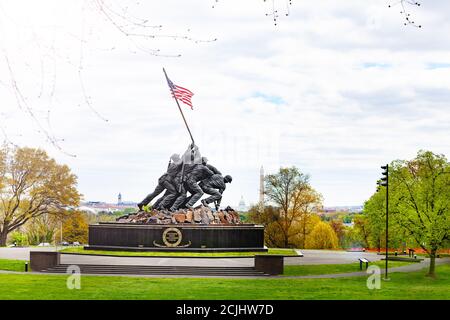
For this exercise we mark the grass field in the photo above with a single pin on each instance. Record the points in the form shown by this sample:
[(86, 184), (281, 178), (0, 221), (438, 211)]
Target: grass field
[(412, 285), (287, 252), (12, 265), (306, 270)]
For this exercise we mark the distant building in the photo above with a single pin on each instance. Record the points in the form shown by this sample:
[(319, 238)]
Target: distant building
[(242, 207), (104, 207), (349, 209), (128, 204)]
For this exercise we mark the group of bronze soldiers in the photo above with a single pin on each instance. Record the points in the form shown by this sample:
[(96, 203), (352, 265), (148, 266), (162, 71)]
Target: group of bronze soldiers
[(192, 173)]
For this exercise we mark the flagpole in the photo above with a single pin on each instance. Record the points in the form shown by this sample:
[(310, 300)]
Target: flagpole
[(179, 108), (187, 127)]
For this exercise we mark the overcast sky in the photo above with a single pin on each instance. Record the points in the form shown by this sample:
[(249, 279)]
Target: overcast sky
[(337, 89)]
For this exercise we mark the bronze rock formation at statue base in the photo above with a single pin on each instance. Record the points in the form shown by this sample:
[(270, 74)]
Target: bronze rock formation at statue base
[(198, 215)]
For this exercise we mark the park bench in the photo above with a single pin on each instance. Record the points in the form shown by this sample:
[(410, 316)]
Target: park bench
[(363, 260)]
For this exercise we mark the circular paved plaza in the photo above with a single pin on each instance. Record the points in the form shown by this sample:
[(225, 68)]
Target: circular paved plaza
[(310, 257)]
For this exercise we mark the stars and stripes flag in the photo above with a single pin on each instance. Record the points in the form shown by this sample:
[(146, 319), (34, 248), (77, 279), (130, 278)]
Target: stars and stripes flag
[(182, 94)]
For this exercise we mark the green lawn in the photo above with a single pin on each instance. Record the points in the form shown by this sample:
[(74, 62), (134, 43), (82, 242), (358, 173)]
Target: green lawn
[(401, 286), (287, 252), (12, 265), (306, 270)]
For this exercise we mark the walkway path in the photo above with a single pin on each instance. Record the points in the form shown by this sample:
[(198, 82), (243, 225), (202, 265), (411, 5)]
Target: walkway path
[(157, 261), (21, 253), (310, 257)]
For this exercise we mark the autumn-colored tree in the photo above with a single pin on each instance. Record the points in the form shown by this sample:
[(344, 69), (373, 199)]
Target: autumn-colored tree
[(266, 216), (339, 229), (75, 227), (306, 217), (32, 184), (42, 228), (322, 237), (293, 204), (303, 228)]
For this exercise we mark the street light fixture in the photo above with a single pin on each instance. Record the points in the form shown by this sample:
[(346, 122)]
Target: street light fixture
[(384, 182)]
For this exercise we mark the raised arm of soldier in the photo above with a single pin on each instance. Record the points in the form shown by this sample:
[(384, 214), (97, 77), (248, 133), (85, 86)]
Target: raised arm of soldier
[(192, 155), (210, 167)]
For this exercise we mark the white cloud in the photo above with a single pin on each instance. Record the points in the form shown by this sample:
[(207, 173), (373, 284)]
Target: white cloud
[(356, 87)]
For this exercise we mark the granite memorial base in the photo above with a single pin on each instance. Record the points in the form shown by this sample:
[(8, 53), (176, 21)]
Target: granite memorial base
[(270, 264), (176, 237), (41, 260)]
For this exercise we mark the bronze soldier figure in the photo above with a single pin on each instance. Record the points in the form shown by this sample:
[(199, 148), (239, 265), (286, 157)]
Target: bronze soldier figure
[(193, 174), (214, 186), (165, 182)]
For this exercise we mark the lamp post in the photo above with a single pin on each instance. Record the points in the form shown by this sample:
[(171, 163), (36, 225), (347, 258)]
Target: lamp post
[(384, 182)]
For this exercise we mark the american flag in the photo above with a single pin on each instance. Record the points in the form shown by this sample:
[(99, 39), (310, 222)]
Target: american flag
[(180, 93)]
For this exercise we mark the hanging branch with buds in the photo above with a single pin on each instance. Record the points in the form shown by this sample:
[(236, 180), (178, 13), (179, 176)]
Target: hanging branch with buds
[(405, 12)]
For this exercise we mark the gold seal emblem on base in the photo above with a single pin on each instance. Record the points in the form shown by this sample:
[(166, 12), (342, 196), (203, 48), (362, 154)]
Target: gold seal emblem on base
[(172, 237)]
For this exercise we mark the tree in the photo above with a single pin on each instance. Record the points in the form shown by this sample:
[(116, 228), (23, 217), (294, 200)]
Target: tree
[(322, 237), (420, 190), (305, 226), (267, 215), (374, 214), (361, 229), (347, 218), (19, 238), (76, 227), (339, 229), (294, 202), (31, 185), (375, 217), (42, 228)]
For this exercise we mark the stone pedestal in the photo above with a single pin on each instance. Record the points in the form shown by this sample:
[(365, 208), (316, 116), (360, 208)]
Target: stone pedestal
[(176, 237), (270, 264), (41, 260)]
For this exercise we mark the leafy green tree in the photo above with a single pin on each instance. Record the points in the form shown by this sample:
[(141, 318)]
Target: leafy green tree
[(420, 201), (374, 221), (243, 216), (375, 216), (19, 238), (347, 219)]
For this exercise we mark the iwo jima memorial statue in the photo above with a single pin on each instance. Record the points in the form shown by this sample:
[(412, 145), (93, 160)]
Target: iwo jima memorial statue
[(175, 222)]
